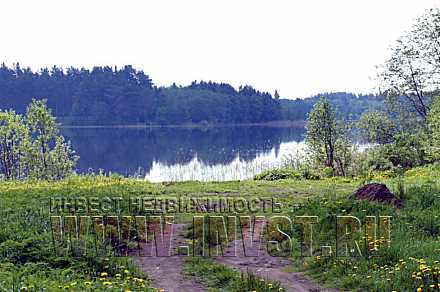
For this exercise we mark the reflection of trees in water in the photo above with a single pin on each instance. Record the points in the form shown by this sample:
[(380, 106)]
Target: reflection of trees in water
[(124, 150)]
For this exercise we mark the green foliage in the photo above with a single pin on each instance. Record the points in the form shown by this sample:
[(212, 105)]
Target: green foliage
[(278, 173), (434, 129), (13, 138), (327, 139), (108, 96), (406, 152), (376, 127), (410, 75), (349, 106), (31, 147), (322, 132), (414, 238)]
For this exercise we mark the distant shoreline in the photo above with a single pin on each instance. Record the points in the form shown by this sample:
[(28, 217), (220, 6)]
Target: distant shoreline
[(274, 124)]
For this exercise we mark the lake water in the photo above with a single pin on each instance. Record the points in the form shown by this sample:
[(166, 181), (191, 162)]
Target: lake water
[(176, 154)]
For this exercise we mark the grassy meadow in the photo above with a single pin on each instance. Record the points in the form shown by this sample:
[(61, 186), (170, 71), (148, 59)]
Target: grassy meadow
[(29, 263)]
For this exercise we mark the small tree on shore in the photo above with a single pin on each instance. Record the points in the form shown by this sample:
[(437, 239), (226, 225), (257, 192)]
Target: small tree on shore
[(321, 132), (328, 139), (32, 147), (48, 155)]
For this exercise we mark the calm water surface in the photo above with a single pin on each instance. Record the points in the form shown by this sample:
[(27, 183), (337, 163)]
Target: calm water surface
[(175, 154)]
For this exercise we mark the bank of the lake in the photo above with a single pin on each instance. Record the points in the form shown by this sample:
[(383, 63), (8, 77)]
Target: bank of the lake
[(410, 262)]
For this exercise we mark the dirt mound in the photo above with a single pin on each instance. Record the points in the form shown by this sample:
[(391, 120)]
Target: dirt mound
[(377, 193)]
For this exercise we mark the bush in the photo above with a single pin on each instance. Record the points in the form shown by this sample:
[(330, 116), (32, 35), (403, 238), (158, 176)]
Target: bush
[(277, 174)]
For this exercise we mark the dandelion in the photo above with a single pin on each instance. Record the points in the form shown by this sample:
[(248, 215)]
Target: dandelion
[(104, 274)]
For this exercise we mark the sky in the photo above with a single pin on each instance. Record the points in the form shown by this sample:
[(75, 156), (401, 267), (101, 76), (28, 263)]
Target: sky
[(298, 47)]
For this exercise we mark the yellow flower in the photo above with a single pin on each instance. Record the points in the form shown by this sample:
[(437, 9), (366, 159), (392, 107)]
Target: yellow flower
[(269, 285), (419, 289), (104, 274)]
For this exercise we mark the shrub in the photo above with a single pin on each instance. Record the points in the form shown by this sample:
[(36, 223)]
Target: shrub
[(277, 174)]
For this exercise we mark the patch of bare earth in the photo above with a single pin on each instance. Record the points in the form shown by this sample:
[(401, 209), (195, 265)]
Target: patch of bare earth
[(248, 254), (167, 271)]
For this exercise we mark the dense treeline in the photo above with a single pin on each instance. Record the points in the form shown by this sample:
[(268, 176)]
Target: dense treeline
[(348, 105), (106, 95)]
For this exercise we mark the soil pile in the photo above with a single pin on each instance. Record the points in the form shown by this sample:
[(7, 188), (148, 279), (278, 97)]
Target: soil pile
[(377, 193)]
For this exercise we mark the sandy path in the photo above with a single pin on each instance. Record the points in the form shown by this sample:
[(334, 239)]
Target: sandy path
[(167, 271), (260, 263)]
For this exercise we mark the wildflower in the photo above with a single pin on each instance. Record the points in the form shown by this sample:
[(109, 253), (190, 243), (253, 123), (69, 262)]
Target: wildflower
[(269, 285), (104, 274), (419, 289)]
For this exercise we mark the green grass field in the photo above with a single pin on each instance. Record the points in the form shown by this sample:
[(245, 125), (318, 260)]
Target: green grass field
[(28, 261)]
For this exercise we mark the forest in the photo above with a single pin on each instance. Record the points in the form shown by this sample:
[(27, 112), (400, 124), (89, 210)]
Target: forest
[(127, 96)]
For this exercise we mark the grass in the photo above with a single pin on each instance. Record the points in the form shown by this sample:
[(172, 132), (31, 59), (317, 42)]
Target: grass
[(412, 260), (27, 258), (217, 277)]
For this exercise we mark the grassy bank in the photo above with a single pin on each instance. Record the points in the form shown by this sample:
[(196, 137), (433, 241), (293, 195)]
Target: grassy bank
[(411, 263), (27, 258)]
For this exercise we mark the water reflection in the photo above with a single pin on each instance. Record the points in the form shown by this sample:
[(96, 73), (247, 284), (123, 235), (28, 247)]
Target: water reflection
[(160, 150), (238, 169)]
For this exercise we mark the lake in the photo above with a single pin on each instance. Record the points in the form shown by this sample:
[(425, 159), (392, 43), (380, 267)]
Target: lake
[(177, 154)]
